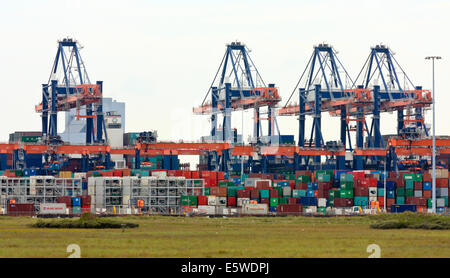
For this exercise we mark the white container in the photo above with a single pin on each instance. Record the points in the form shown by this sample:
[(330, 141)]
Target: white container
[(242, 201), (56, 208), (79, 175), (212, 200), (322, 202), (373, 199), (311, 209), (221, 201), (159, 174), (126, 200), (287, 192), (207, 210), (255, 209), (373, 192)]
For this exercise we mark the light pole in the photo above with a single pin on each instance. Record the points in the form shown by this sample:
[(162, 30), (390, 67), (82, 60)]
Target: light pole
[(433, 196)]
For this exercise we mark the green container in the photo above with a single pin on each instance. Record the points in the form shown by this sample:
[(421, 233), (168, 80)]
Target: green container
[(197, 183), (400, 200), (273, 202), (346, 193), (283, 201), (400, 191), (264, 193), (409, 184), (76, 210), (380, 192), (331, 202), (322, 210), (418, 177), (409, 177), (290, 177), (223, 183), (361, 201), (323, 177), (409, 193), (303, 178), (326, 172), (296, 193), (188, 200), (207, 191), (334, 193), (232, 191), (429, 203), (347, 185)]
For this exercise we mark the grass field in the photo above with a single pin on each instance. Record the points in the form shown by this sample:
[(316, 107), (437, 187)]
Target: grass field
[(223, 237)]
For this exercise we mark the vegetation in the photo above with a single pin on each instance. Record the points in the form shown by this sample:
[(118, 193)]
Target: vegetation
[(409, 220), (201, 237), (86, 221)]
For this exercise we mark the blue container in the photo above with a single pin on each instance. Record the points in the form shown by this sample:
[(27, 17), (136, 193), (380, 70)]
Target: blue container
[(69, 192), (390, 193), (237, 180), (84, 185), (308, 201), (283, 183), (76, 201), (309, 193), (426, 185), (402, 208), (313, 185), (273, 209), (390, 185), (440, 210)]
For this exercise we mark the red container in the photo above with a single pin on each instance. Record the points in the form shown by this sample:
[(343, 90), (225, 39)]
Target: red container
[(290, 209), (265, 201), (426, 177), (220, 175), (117, 173), (381, 201), (231, 201), (85, 200), (263, 184), (323, 193), (291, 184), (212, 182), (361, 191), (343, 202), (316, 193), (280, 176), (202, 200), (442, 183), (65, 200), (390, 202), (254, 194), (243, 193), (20, 209), (292, 201), (426, 194), (171, 173), (363, 183), (301, 185), (273, 193), (187, 174), (358, 176), (195, 174), (422, 208), (126, 172), (417, 185)]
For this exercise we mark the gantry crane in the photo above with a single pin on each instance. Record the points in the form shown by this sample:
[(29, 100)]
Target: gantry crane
[(69, 87), (239, 87)]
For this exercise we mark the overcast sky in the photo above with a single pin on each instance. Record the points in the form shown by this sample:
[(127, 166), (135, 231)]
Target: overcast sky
[(159, 57)]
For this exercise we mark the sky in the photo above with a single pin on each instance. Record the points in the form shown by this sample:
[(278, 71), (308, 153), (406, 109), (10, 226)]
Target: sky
[(159, 57)]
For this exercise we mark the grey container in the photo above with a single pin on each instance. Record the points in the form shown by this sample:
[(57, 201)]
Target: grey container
[(440, 202), (287, 191), (417, 193), (441, 192)]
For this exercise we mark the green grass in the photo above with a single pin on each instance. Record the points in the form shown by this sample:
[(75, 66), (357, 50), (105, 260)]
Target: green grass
[(159, 236), (411, 220)]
